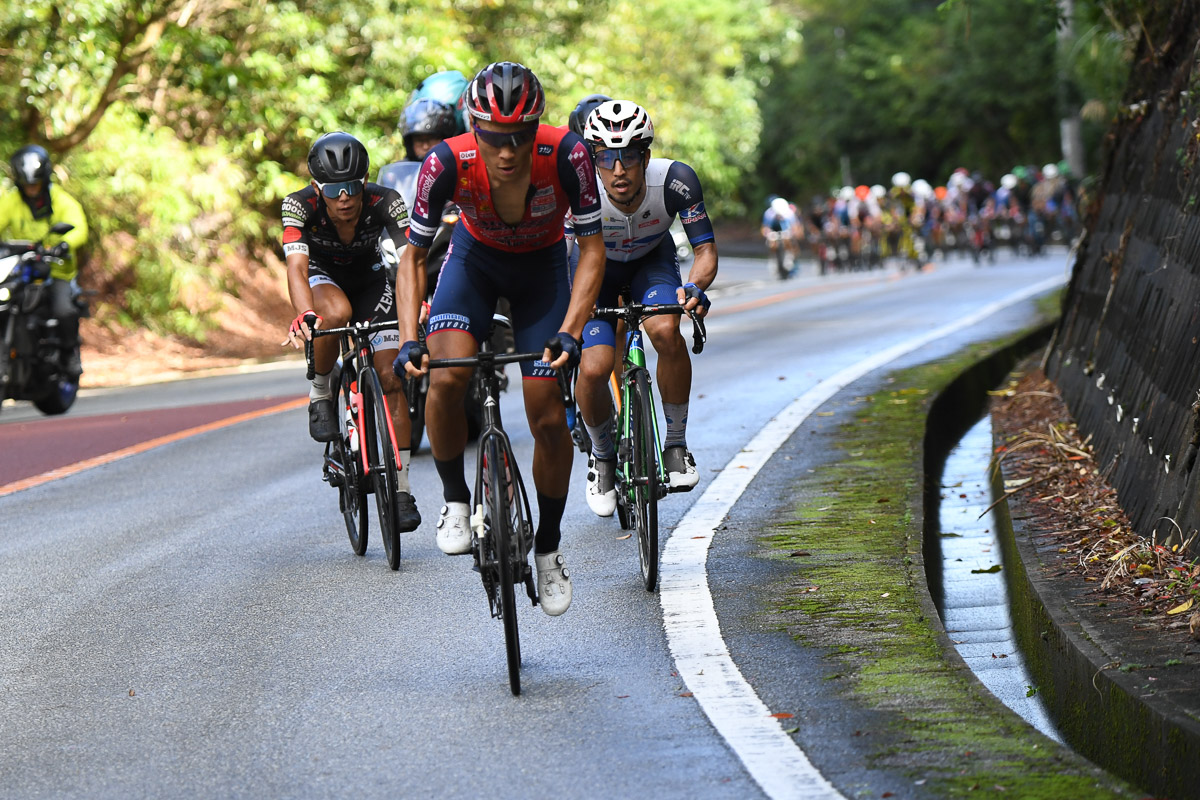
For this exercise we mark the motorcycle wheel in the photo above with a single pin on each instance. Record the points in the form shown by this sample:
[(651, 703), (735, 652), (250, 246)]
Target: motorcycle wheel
[(59, 397)]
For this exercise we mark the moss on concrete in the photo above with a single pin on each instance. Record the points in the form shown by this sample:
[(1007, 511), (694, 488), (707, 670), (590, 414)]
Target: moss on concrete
[(861, 594)]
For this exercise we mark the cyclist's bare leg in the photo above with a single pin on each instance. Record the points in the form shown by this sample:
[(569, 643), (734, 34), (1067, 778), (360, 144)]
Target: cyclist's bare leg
[(674, 364), (445, 415), (591, 387), (331, 303), (552, 453)]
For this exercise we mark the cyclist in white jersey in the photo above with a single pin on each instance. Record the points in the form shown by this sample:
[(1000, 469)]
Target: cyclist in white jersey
[(642, 197)]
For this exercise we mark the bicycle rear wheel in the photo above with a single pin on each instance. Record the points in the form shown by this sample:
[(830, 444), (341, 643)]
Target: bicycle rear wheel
[(501, 545), (645, 478), (353, 491), (381, 453)]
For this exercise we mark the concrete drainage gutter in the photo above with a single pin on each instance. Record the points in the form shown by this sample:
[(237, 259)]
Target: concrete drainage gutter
[(1103, 675)]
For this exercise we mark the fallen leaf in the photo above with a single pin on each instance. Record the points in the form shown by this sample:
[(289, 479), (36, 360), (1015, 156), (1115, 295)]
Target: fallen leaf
[(888, 794), (798, 553), (884, 500), (685, 694), (623, 538), (824, 413), (694, 537), (782, 715), (992, 568), (622, 696), (132, 693), (886, 594), (792, 730), (1182, 607)]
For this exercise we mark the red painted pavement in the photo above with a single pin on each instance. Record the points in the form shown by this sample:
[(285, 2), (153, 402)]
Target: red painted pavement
[(37, 446)]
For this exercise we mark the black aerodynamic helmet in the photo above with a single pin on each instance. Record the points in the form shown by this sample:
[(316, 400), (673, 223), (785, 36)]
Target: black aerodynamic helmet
[(337, 157), (428, 117), (586, 106), (505, 91), (31, 165)]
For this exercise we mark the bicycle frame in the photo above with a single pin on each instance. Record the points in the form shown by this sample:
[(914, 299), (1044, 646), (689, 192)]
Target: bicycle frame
[(634, 359)]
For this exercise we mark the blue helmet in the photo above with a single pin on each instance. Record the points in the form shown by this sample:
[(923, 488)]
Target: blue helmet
[(444, 87)]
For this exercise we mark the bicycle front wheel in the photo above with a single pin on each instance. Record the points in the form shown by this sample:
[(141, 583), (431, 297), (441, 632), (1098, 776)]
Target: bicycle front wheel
[(353, 490), (502, 543), (645, 478), (381, 453)]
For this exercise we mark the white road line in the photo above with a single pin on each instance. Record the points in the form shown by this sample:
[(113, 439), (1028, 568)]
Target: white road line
[(770, 755)]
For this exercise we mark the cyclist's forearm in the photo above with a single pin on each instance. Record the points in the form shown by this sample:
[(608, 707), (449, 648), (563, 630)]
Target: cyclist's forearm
[(410, 286), (588, 277), (297, 276), (704, 266)]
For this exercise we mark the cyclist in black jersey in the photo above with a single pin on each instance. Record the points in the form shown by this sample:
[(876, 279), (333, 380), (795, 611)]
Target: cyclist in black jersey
[(331, 240)]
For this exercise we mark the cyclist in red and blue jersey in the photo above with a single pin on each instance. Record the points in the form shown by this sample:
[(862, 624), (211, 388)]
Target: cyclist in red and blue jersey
[(642, 197), (513, 180), (331, 240)]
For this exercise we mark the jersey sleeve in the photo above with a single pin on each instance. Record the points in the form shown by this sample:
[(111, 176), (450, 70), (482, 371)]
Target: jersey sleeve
[(435, 188), (577, 174), (395, 218), (683, 196), (69, 210), (295, 225)]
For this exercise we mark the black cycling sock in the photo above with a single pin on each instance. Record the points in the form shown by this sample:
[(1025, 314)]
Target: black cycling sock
[(454, 485), (550, 514)]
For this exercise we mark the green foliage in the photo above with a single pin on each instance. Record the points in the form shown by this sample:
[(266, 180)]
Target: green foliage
[(173, 114)]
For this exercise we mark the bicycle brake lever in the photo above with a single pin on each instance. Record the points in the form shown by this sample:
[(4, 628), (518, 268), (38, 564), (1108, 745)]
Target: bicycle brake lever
[(699, 333), (308, 356)]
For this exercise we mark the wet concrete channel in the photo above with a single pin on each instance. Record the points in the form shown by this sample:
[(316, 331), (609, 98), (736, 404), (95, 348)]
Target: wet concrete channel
[(974, 602)]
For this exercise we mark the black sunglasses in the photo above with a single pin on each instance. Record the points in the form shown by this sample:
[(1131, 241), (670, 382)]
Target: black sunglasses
[(515, 138)]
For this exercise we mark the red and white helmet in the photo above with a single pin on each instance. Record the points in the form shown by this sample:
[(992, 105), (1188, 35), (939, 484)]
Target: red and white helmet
[(505, 91), (618, 123)]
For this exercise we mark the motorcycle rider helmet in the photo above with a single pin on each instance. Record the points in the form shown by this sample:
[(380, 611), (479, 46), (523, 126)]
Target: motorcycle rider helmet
[(583, 110), (338, 157), (615, 124), (31, 166), (901, 180), (426, 117), (505, 92), (448, 88)]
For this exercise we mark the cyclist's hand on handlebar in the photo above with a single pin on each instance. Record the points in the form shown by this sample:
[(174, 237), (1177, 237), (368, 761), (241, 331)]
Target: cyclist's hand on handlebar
[(562, 350), (302, 328), (693, 299), (413, 360)]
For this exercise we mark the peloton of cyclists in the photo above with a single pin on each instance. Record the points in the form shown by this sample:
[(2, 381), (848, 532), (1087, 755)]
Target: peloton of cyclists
[(642, 197), (331, 233), (514, 180)]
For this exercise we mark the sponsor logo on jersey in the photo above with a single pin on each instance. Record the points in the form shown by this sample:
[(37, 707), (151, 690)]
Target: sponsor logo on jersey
[(543, 202), (680, 187), (291, 233), (430, 171), (295, 247), (397, 211), (466, 155), (586, 172), (647, 213), (693, 214), (649, 224), (444, 322), (545, 149)]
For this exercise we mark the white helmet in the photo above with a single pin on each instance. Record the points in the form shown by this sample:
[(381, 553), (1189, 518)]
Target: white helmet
[(780, 206), (1008, 181), (878, 191), (846, 193), (921, 188), (901, 180), (1050, 172), (618, 123)]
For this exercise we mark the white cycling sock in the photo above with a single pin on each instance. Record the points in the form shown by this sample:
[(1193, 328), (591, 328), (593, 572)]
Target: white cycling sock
[(320, 389), (602, 443), (402, 483), (676, 414)]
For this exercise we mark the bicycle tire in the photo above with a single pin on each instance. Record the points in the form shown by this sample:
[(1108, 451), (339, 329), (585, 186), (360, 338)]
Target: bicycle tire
[(501, 541), (353, 491), (382, 458), (645, 477), (421, 387)]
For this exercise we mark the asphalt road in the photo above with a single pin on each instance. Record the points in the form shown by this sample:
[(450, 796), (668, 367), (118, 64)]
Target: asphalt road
[(189, 620)]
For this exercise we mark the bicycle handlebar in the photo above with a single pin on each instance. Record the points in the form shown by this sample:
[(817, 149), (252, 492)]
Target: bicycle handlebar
[(358, 328), (638, 311), (564, 382)]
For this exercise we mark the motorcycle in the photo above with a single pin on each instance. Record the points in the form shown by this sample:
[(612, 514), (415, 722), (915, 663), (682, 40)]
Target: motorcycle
[(402, 176), (31, 358)]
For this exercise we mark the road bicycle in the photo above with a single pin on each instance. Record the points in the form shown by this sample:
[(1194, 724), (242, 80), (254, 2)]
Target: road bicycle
[(501, 521), (640, 477), (364, 458)]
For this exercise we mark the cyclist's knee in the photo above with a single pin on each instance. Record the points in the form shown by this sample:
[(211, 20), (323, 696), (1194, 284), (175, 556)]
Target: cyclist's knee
[(594, 368), (666, 339)]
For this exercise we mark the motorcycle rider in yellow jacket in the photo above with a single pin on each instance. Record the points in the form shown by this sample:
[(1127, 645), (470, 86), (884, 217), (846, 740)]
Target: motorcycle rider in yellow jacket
[(26, 214)]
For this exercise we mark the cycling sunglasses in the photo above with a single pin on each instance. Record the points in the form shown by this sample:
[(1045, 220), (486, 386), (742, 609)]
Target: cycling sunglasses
[(628, 156), (515, 138), (334, 190)]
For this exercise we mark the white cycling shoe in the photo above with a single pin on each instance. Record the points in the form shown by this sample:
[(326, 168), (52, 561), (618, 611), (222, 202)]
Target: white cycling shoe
[(601, 486), (454, 529), (681, 469), (554, 583)]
